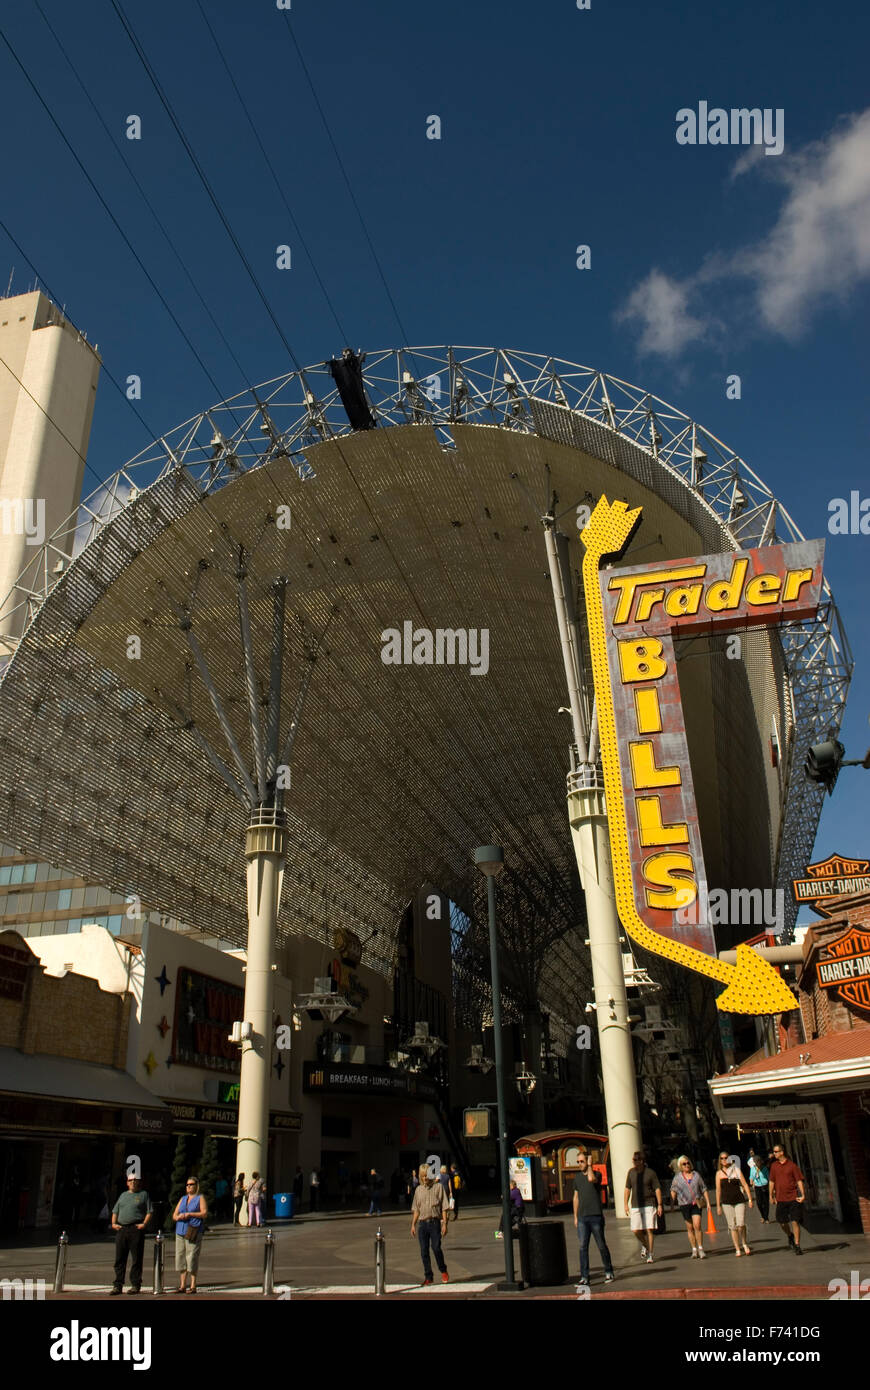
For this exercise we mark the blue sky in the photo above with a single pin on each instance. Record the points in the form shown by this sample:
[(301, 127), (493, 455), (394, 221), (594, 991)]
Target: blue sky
[(558, 128)]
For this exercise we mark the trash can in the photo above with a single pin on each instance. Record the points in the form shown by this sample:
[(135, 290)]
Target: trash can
[(284, 1203), (543, 1253)]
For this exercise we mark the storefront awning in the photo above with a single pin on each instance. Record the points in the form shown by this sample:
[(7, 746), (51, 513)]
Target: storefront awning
[(837, 1062), (43, 1074)]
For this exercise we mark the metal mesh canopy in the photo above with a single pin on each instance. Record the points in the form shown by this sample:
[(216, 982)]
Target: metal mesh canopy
[(398, 771)]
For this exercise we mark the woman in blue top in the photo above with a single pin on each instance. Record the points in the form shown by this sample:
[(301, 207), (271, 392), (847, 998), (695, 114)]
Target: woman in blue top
[(759, 1178), (188, 1233), (687, 1190)]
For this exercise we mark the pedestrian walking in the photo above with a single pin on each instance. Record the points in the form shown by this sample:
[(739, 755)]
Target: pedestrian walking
[(787, 1184), (256, 1194), (759, 1181), (643, 1203), (456, 1186), (687, 1190), (314, 1189), (376, 1186), (189, 1215), (589, 1217), (298, 1187), (444, 1179), (731, 1188), (516, 1207), (429, 1223), (238, 1197), (130, 1216)]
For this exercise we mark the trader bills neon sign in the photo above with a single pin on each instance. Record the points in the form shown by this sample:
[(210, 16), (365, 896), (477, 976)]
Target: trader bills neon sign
[(634, 615)]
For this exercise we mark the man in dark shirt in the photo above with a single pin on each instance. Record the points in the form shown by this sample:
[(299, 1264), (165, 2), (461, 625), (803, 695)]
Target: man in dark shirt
[(130, 1215), (787, 1184), (589, 1218), (643, 1203)]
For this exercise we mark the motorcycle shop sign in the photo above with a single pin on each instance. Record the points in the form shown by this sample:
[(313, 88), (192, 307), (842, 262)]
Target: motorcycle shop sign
[(844, 966)]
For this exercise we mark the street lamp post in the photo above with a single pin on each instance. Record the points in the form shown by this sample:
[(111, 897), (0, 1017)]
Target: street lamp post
[(490, 860)]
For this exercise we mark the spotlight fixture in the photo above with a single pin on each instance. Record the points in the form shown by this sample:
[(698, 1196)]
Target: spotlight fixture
[(524, 1080), (324, 1004), (478, 1062), (423, 1041)]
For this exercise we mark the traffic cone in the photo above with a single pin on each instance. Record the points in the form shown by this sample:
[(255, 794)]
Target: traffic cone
[(711, 1225)]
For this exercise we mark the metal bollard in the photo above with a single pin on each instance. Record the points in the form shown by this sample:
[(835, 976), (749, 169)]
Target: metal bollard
[(380, 1263), (159, 1242), (269, 1265), (60, 1266)]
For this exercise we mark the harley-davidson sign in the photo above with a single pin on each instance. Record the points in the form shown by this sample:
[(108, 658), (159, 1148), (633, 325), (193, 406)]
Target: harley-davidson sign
[(845, 967), (831, 877)]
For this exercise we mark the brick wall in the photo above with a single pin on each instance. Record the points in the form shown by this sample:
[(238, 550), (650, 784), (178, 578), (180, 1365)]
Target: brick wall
[(823, 1010), (69, 1017)]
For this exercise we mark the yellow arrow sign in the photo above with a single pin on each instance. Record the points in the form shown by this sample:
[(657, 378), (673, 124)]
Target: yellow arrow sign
[(753, 985)]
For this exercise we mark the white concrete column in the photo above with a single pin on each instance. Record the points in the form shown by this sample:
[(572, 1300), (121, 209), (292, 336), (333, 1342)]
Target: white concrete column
[(265, 849), (588, 816)]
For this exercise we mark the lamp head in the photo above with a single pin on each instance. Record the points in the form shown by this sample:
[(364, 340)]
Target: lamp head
[(489, 859)]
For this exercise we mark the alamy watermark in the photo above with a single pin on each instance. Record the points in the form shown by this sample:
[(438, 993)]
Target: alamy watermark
[(742, 125), (741, 907), (849, 517), (23, 516), (22, 1289), (854, 1287), (446, 646)]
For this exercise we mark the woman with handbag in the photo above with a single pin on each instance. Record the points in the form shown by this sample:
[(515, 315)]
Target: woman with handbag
[(238, 1197), (256, 1192), (189, 1215)]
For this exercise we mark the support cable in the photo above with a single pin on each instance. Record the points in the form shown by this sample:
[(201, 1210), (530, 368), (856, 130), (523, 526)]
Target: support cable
[(127, 242), (191, 154)]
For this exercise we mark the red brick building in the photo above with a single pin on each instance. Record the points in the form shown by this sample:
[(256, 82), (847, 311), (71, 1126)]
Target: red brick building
[(814, 1095)]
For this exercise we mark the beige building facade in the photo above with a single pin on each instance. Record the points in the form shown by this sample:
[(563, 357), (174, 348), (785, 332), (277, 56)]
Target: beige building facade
[(48, 384)]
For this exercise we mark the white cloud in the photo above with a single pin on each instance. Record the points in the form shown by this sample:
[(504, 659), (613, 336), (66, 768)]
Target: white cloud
[(820, 246), (659, 305), (817, 250)]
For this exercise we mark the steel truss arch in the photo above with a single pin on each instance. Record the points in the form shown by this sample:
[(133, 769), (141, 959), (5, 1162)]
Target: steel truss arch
[(443, 387)]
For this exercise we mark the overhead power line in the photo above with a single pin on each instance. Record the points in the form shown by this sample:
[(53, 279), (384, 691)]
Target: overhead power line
[(271, 169), (134, 253), (191, 154), (142, 193), (358, 210)]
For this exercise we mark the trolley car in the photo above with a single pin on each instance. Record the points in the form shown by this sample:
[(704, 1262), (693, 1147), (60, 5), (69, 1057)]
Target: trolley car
[(556, 1152)]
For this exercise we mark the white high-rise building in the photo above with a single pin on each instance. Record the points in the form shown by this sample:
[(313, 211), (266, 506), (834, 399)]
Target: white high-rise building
[(48, 383)]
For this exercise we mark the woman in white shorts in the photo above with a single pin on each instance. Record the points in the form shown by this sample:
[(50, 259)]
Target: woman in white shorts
[(731, 1189)]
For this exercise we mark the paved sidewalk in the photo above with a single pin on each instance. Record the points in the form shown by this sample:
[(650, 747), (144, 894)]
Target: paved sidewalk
[(331, 1256)]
